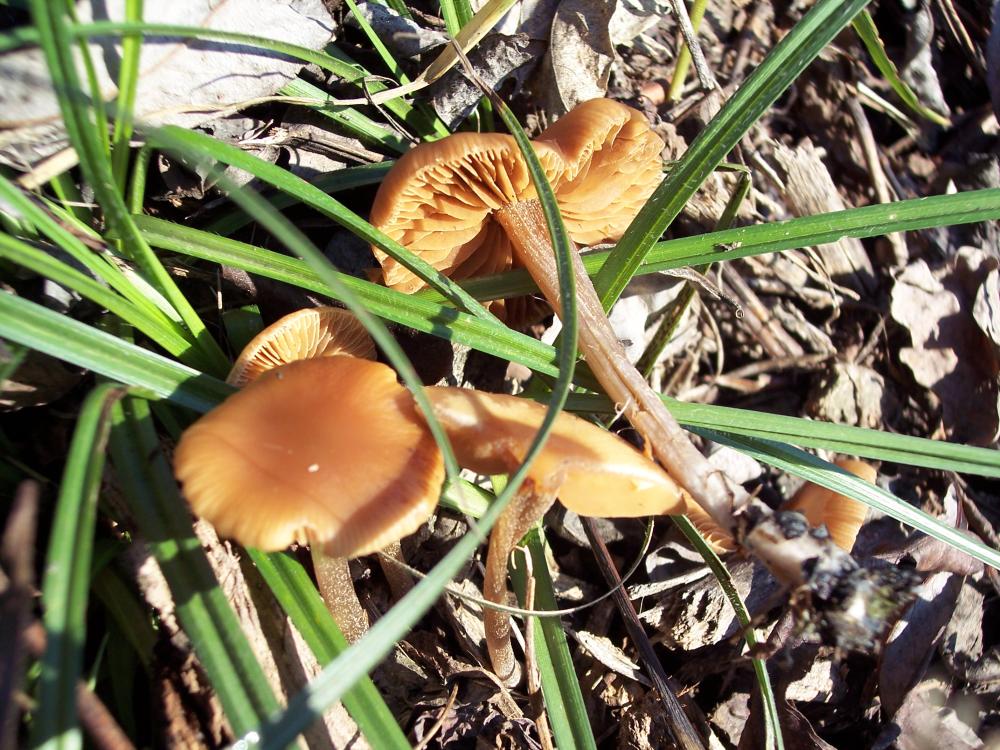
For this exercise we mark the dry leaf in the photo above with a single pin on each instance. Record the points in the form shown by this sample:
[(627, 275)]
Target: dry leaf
[(950, 354), (173, 75)]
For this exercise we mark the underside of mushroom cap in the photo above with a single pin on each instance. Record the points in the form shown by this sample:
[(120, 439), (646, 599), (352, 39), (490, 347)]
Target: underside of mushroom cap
[(610, 166), (327, 451), (303, 334), (437, 200), (593, 472)]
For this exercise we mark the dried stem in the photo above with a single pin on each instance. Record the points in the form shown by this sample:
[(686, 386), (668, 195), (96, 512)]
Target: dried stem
[(829, 578), (525, 225), (525, 509)]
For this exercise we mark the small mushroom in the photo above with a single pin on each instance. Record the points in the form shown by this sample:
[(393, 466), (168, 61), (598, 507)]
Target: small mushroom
[(303, 334), (593, 472), (843, 516), (328, 452)]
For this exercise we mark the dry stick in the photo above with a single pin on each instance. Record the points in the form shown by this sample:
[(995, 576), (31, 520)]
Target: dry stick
[(604, 353), (680, 726), (832, 579)]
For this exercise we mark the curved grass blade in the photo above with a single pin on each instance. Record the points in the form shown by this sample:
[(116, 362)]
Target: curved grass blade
[(297, 595), (361, 657), (67, 574), (867, 31), (772, 724), (195, 143), (202, 608), (779, 69), (564, 704)]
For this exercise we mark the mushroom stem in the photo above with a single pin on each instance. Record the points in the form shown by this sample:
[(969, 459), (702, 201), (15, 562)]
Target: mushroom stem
[(333, 579), (526, 227), (525, 509), (396, 575)]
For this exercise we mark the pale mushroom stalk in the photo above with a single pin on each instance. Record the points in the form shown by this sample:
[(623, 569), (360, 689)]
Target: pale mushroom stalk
[(605, 355), (393, 565), (333, 579), (529, 504)]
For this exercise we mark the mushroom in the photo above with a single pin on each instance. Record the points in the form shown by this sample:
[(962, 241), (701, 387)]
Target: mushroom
[(328, 452), (593, 473), (303, 334), (471, 194), (843, 516), (466, 203)]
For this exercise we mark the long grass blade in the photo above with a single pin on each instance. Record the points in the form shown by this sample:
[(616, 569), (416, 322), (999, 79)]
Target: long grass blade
[(66, 585), (778, 70), (564, 704), (298, 596), (202, 608)]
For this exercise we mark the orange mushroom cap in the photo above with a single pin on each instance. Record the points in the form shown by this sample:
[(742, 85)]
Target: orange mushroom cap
[(609, 165), (594, 472), (303, 334), (437, 200), (326, 451), (843, 516)]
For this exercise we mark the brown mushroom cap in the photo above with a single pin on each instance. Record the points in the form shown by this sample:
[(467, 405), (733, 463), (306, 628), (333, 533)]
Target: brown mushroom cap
[(327, 451), (303, 334), (594, 472), (843, 516), (609, 165)]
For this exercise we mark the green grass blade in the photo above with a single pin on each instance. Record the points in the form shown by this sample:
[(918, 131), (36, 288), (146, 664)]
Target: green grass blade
[(81, 121), (409, 310), (743, 242), (778, 70), (331, 182), (808, 433), (128, 80), (73, 246), (44, 264), (197, 143), (376, 42), (202, 608), (66, 585), (47, 331), (348, 118), (798, 462), (298, 596), (867, 31), (564, 704), (772, 724)]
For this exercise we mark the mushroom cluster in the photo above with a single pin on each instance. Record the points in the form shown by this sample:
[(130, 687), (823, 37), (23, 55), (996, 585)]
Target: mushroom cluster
[(467, 206), (327, 449)]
